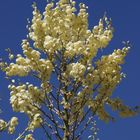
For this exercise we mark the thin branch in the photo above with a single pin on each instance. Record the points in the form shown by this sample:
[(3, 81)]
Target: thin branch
[(47, 134), (21, 135), (90, 119)]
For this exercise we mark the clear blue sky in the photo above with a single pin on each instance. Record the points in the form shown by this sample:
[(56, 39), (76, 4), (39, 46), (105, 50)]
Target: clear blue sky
[(126, 21)]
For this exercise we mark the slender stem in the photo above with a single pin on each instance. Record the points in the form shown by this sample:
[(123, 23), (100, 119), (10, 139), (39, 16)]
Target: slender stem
[(90, 119), (21, 135), (47, 134)]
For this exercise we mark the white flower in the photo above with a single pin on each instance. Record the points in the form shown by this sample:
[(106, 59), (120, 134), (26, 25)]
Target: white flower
[(14, 121)]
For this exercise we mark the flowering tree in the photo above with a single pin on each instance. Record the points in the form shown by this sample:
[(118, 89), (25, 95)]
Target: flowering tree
[(60, 47)]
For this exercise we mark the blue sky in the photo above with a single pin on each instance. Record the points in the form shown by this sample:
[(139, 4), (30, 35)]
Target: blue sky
[(126, 21)]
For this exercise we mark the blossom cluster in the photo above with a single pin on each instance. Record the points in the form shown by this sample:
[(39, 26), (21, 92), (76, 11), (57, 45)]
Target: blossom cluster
[(29, 137), (11, 125), (26, 98), (3, 124), (76, 70), (64, 48), (31, 62), (60, 27)]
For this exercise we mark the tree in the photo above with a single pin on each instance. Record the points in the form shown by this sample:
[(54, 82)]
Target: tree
[(61, 47)]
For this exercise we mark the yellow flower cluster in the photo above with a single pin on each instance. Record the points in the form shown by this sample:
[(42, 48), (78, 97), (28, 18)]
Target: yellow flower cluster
[(60, 27), (31, 62), (51, 44), (29, 137), (76, 70), (64, 48), (2, 124), (36, 122), (12, 125), (37, 29), (15, 69), (25, 97), (117, 104), (108, 74), (109, 70)]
